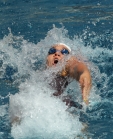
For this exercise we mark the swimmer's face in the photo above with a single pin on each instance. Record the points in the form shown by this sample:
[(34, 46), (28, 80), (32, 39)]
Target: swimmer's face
[(53, 59)]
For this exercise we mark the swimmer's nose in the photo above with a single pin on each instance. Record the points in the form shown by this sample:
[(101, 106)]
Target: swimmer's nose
[(58, 53)]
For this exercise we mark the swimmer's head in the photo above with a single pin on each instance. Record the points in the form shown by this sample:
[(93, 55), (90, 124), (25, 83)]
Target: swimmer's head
[(57, 53)]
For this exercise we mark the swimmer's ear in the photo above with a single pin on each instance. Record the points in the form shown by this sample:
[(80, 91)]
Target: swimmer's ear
[(47, 63)]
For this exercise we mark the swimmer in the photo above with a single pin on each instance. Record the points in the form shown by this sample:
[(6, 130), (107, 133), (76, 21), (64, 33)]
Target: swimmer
[(74, 68)]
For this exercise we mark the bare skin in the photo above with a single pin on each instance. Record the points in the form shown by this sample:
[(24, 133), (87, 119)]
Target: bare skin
[(75, 69)]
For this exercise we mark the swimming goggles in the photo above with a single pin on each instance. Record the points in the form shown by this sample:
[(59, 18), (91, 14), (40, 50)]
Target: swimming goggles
[(53, 51)]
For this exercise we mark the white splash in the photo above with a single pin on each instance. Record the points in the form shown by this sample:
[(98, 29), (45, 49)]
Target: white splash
[(43, 116)]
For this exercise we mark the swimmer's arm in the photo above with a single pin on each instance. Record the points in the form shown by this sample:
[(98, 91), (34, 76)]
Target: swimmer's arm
[(81, 73), (15, 120)]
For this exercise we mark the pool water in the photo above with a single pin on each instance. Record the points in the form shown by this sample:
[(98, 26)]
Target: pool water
[(28, 29)]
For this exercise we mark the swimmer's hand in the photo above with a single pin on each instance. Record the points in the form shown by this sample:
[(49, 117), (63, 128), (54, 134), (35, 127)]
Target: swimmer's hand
[(85, 83)]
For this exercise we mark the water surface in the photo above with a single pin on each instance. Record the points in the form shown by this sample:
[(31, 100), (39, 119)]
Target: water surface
[(28, 28)]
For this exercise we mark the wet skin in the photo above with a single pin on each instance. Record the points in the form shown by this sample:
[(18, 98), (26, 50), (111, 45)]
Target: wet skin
[(75, 69)]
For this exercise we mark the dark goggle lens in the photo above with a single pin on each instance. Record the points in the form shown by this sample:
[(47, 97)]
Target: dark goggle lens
[(65, 51), (53, 50)]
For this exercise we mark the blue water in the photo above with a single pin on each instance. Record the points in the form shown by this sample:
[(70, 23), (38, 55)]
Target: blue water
[(28, 28)]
